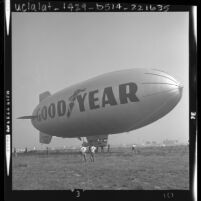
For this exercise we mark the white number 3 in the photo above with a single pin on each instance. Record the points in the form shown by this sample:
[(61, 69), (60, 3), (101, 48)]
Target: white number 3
[(78, 193)]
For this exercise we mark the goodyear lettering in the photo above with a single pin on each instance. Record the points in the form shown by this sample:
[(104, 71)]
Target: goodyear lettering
[(51, 110), (61, 108), (130, 94), (44, 113), (70, 108), (127, 93), (108, 97), (80, 99), (38, 115), (93, 100)]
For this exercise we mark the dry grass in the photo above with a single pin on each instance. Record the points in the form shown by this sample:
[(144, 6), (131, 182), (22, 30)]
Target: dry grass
[(152, 168)]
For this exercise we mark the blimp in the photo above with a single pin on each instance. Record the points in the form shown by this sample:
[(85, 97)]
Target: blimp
[(107, 104)]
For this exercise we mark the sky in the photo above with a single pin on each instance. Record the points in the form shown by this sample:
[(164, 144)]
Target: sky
[(51, 51)]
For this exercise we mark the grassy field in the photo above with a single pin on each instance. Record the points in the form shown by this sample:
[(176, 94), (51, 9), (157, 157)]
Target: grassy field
[(152, 168)]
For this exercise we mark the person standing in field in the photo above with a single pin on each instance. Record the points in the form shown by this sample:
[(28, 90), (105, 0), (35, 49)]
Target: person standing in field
[(134, 148), (15, 152), (83, 152), (92, 153), (47, 150), (108, 148), (102, 149)]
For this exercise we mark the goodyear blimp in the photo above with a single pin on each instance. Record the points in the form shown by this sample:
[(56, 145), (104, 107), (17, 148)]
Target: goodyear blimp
[(111, 103)]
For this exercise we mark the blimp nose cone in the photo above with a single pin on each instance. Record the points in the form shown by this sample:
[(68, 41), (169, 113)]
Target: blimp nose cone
[(181, 89), (161, 93), (176, 92), (159, 83)]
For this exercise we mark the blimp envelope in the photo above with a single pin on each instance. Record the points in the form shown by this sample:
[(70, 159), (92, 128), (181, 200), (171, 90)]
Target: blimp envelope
[(111, 103)]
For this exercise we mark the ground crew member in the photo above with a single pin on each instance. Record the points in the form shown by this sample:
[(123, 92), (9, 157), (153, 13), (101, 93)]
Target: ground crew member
[(15, 152), (26, 150), (92, 153), (134, 148), (83, 152), (108, 148)]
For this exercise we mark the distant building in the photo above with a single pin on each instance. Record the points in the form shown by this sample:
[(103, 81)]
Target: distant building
[(151, 143), (170, 142)]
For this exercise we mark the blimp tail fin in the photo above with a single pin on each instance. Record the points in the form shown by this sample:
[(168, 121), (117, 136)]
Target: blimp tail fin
[(44, 95), (45, 138)]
